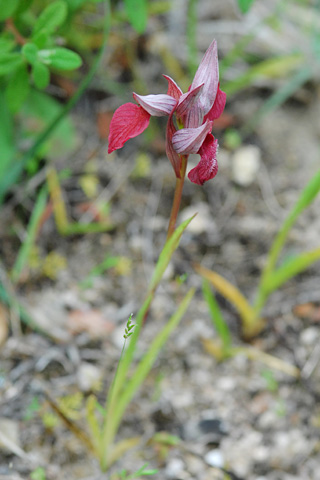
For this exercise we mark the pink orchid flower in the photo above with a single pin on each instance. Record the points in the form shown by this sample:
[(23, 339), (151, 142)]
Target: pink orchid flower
[(190, 118)]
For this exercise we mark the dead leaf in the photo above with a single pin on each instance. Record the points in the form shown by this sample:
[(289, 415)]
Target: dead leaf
[(92, 322), (103, 122), (305, 310)]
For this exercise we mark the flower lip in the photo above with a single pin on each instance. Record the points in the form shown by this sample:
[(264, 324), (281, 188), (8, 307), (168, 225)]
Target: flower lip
[(207, 168), (156, 105)]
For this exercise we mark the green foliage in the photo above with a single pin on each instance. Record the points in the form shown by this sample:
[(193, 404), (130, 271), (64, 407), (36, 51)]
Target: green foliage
[(271, 382), (51, 18), (218, 321), (137, 14), (143, 471), (107, 263), (18, 88), (38, 474), (29, 241), (272, 276), (9, 62), (7, 8), (245, 5), (40, 75), (60, 58)]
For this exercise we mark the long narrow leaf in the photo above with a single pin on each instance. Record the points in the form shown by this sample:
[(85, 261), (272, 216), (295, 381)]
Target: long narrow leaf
[(216, 316), (120, 378), (149, 358), (279, 96), (32, 230), (229, 291), (307, 196), (291, 268), (271, 68)]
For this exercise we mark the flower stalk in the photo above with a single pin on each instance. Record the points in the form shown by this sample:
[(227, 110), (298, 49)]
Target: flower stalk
[(177, 196)]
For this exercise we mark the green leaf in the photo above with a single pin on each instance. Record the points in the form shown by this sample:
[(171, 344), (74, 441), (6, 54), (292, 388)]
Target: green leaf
[(23, 6), (18, 88), (41, 39), (29, 241), (30, 51), (7, 8), (137, 14), (51, 18), (74, 5), (41, 75), (60, 58), (9, 62), (244, 5), (290, 269), (6, 45), (216, 316), (307, 196), (147, 361), (44, 109), (7, 147)]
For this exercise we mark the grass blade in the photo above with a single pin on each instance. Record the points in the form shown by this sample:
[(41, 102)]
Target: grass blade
[(272, 68), (229, 291), (148, 360), (216, 316), (307, 196), (24, 252), (289, 269)]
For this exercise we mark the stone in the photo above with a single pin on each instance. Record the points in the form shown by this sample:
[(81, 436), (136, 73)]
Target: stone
[(245, 165), (89, 377), (214, 458)]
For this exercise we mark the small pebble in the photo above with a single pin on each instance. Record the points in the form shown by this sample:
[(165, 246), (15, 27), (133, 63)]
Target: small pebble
[(174, 467), (10, 431), (214, 458), (89, 377), (202, 222), (309, 336), (245, 164)]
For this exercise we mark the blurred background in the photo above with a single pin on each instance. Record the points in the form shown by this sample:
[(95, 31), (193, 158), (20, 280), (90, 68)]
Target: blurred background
[(81, 230)]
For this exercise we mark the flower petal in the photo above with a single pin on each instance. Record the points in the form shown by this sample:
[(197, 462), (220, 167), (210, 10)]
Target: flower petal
[(128, 121), (218, 106), (189, 140), (187, 100), (156, 105), (207, 73), (171, 153), (207, 168), (173, 89)]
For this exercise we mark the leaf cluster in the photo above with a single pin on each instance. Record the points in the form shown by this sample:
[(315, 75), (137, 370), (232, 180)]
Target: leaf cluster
[(30, 48)]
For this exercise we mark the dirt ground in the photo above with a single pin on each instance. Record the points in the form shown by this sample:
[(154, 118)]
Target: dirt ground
[(238, 417)]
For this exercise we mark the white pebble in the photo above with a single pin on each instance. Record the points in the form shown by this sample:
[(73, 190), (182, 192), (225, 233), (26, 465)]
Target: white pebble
[(174, 467), (245, 164), (214, 458)]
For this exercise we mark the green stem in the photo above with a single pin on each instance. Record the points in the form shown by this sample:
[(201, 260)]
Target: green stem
[(177, 196)]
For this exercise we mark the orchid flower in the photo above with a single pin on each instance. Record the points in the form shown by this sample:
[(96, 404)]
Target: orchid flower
[(190, 119)]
